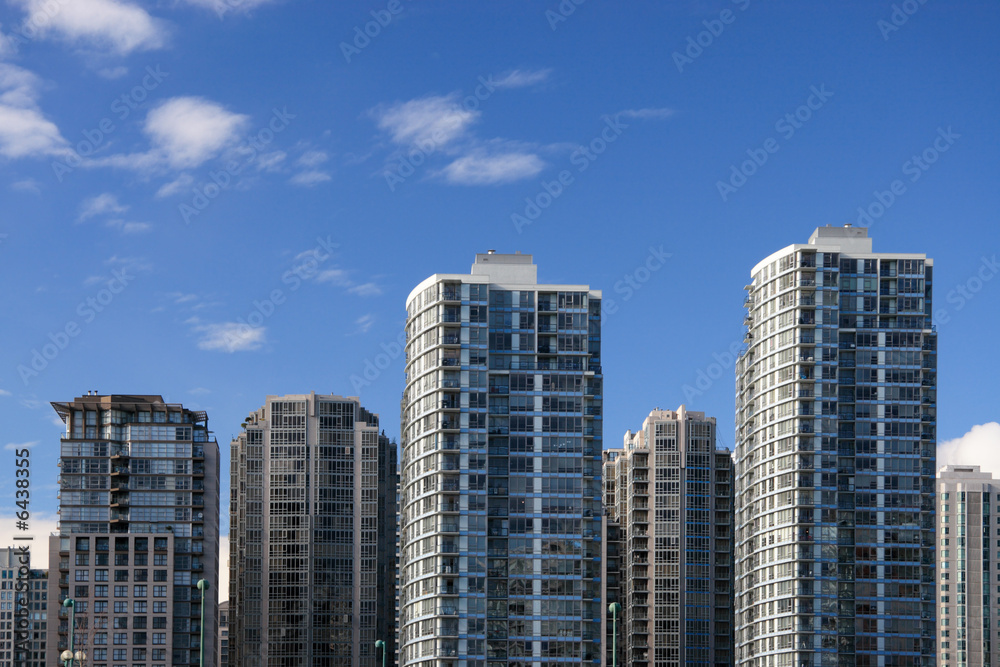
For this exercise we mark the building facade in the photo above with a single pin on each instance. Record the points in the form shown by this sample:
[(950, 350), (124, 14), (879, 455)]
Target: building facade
[(138, 528), (312, 535), (501, 477), (223, 658), (968, 503), (674, 503), (835, 458), (23, 610)]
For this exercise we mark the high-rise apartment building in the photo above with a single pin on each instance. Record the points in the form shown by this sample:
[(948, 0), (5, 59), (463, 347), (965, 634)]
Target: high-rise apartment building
[(138, 528), (501, 476), (23, 610), (312, 535), (968, 503), (223, 658), (835, 458), (673, 500)]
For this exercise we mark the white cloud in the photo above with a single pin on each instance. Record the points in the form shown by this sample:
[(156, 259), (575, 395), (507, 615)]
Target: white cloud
[(365, 289), (99, 205), (180, 183), (364, 323), (230, 337), (130, 264), (27, 185), (24, 130), (191, 130), (481, 168), (270, 161), (4, 392), (309, 178), (521, 78), (113, 72), (980, 446), (428, 121), (646, 114), (199, 391), (335, 276), (114, 25), (222, 6), (40, 526), (185, 132), (312, 158), (14, 446), (130, 227)]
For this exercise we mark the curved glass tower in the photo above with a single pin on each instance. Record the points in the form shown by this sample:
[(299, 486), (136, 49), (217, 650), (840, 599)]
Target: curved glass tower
[(835, 458), (500, 516)]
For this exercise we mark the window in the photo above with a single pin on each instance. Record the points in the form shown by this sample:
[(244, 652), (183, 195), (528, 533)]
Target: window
[(120, 638), (121, 623), (83, 559), (121, 559), (100, 607), (159, 639), (139, 623), (159, 607), (139, 638), (100, 575), (140, 575), (121, 591), (120, 653), (101, 591), (121, 575), (121, 607), (139, 591), (160, 560), (160, 622), (81, 591), (139, 607), (159, 592), (159, 575), (139, 653)]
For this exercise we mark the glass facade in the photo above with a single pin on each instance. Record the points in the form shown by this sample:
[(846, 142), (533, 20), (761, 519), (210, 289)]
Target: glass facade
[(312, 523), (138, 527), (674, 503), (23, 635), (968, 503), (835, 458), (501, 479)]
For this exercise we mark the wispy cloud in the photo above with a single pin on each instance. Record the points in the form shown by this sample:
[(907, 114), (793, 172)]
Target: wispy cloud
[(340, 278), (4, 392), (365, 289), (312, 158), (129, 226), (100, 205), (482, 168), (179, 184), (117, 26), (184, 133), (199, 391), (24, 129), (980, 446), (645, 114), (229, 336), (12, 446), (520, 78), (309, 178), (27, 185), (223, 6), (364, 323), (428, 121), (113, 72)]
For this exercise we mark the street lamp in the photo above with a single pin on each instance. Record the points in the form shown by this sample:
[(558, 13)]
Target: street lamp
[(71, 603), (203, 587), (379, 644), (81, 657), (614, 608)]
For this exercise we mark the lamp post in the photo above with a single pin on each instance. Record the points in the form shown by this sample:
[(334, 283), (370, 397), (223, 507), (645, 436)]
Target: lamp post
[(203, 587), (71, 603), (81, 657), (379, 644), (614, 608)]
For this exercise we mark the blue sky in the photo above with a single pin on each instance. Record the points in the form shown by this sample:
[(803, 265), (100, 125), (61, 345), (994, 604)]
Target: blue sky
[(174, 172)]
